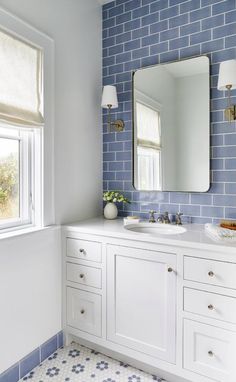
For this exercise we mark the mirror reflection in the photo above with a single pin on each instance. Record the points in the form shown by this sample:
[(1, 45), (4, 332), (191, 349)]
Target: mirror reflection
[(171, 126)]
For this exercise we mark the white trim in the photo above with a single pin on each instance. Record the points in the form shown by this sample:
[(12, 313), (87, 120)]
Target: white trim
[(26, 231), (30, 183), (147, 101), (102, 2), (24, 174), (26, 32)]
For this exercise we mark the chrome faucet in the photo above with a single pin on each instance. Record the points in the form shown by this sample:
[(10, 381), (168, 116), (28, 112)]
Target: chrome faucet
[(166, 219), (151, 216), (178, 220)]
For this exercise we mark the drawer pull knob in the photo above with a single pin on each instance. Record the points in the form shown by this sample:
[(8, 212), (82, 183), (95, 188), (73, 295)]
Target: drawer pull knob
[(210, 307), (82, 311), (210, 274), (82, 250), (170, 269), (81, 275), (210, 353)]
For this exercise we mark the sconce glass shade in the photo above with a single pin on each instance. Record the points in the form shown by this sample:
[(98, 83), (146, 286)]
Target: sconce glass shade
[(227, 75), (109, 97)]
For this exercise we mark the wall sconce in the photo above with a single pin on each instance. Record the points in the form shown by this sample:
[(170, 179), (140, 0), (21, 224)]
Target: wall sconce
[(110, 101), (227, 81)]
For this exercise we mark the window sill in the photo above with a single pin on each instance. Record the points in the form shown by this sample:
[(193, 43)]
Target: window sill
[(26, 231)]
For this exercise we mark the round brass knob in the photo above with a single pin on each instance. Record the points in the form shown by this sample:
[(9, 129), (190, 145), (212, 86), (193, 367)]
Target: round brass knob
[(210, 353), (210, 274), (81, 250), (170, 269), (81, 275), (82, 311), (210, 307)]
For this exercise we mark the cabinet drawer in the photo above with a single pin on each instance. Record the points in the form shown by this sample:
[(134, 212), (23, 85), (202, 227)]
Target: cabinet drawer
[(211, 305), (84, 311), (84, 275), (209, 351), (83, 249), (210, 272)]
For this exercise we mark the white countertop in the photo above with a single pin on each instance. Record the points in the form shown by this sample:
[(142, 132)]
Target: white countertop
[(194, 237)]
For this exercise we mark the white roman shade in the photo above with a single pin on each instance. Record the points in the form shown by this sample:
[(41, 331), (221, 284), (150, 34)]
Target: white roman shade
[(148, 148), (148, 127), (20, 82)]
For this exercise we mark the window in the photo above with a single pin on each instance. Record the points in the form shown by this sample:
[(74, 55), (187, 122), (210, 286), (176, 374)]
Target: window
[(148, 147), (19, 163), (9, 176), (21, 121)]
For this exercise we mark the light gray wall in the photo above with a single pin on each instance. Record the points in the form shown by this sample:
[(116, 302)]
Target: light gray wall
[(75, 27), (30, 293), (192, 135), (30, 276)]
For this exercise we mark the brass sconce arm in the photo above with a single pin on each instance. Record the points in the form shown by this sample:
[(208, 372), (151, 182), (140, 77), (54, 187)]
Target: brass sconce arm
[(230, 111), (227, 81), (118, 123), (109, 101)]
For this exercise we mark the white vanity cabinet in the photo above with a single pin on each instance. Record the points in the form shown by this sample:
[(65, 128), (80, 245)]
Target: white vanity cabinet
[(141, 300), (165, 305), (83, 288)]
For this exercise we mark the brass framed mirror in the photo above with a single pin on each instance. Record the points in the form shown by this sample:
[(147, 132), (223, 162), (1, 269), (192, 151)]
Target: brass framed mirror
[(171, 126)]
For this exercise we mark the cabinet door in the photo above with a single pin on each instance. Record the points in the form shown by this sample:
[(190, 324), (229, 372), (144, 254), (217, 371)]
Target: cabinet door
[(141, 293)]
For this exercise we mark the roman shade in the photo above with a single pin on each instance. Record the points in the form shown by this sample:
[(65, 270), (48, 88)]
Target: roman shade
[(20, 82), (148, 147), (148, 127)]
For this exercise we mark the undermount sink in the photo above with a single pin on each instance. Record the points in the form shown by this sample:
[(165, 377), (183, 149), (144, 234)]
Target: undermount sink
[(155, 228)]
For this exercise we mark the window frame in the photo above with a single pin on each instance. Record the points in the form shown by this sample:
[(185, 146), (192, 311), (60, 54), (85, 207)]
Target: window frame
[(43, 182), (29, 165)]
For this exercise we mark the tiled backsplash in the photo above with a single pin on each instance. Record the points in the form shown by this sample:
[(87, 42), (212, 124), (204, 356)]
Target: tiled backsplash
[(137, 33)]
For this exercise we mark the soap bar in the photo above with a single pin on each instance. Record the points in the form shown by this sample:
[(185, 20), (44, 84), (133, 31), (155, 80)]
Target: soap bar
[(229, 224), (131, 220)]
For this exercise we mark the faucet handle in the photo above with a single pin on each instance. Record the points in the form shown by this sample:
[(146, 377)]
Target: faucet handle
[(151, 216), (152, 212), (178, 220)]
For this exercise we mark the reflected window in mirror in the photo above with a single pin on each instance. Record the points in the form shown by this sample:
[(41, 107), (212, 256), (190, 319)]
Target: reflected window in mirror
[(148, 146)]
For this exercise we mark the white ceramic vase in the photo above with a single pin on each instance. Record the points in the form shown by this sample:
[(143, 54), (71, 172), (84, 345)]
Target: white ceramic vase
[(110, 211)]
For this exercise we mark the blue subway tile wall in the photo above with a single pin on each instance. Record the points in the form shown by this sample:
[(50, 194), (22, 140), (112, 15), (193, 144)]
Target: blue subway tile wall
[(138, 33), (25, 365)]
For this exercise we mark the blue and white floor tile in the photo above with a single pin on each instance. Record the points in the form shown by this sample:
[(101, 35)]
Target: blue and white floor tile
[(76, 363)]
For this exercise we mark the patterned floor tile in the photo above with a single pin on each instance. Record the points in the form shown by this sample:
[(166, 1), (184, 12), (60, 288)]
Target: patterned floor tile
[(76, 363)]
